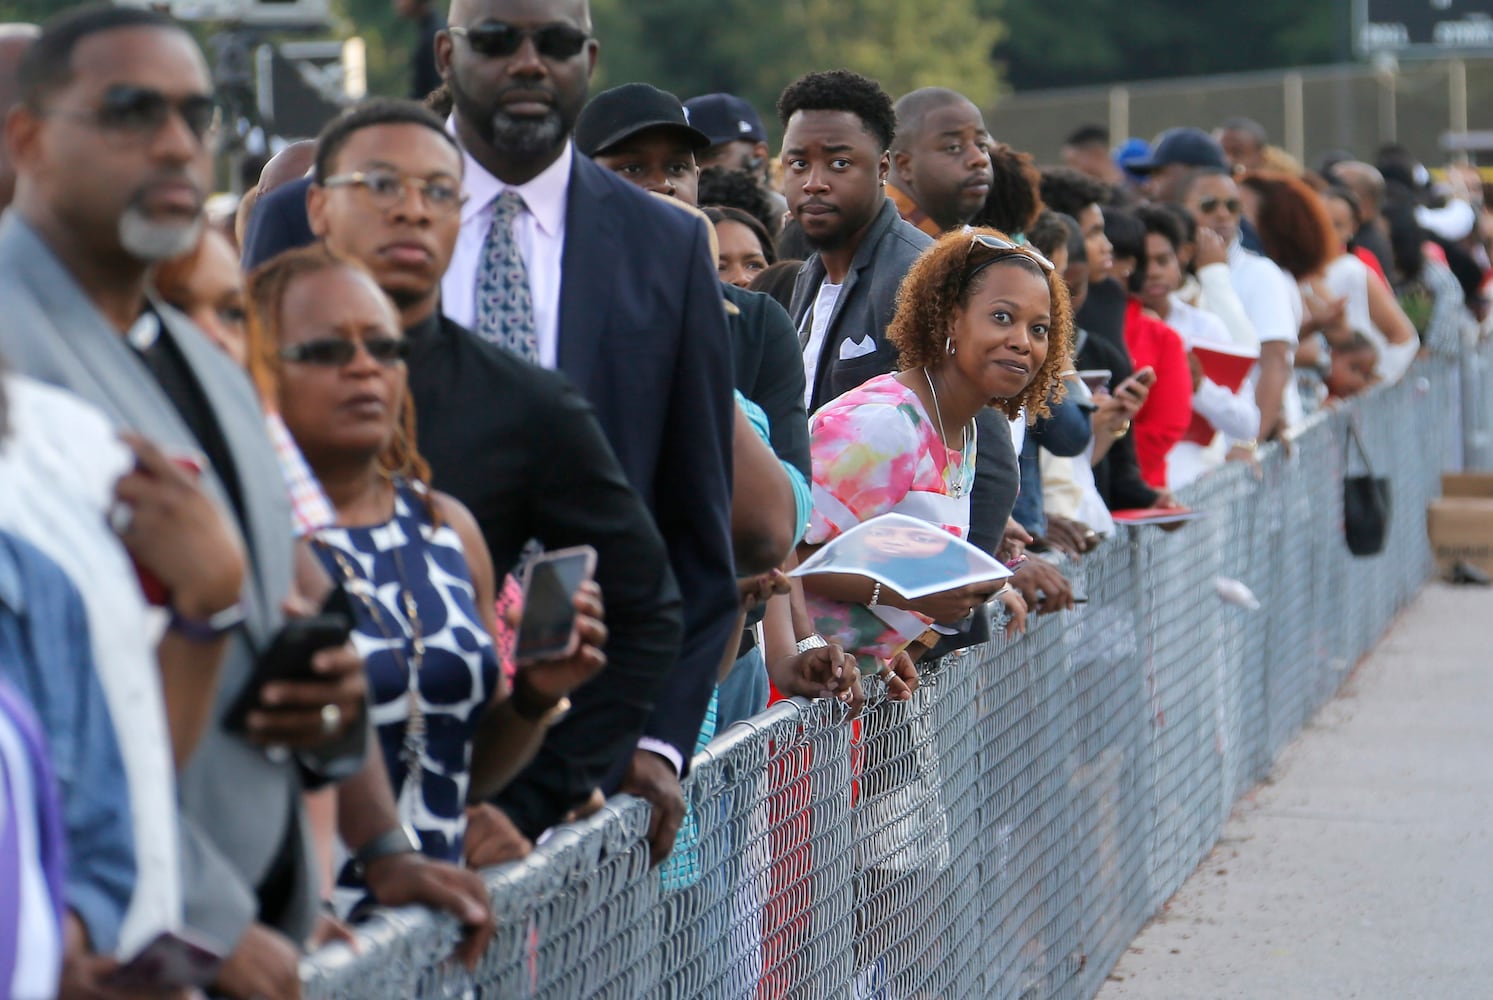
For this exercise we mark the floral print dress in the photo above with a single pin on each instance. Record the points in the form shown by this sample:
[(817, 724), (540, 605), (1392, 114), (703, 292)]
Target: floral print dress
[(876, 450)]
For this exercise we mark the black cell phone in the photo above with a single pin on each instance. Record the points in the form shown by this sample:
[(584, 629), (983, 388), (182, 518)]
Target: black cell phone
[(289, 655), (174, 959), (547, 629)]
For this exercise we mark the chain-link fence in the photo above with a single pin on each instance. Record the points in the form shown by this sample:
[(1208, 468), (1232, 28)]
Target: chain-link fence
[(1007, 831), (1307, 111)]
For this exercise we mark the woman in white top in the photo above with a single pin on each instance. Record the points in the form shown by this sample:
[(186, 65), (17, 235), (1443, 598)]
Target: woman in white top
[(1369, 305), (1232, 412)]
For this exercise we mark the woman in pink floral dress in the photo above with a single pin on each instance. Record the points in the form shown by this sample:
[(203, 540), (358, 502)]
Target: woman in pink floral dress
[(981, 322)]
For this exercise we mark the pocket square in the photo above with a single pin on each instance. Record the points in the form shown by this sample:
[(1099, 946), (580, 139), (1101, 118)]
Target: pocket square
[(850, 349)]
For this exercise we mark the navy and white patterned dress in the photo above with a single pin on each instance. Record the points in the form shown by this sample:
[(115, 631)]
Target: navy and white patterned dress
[(459, 669)]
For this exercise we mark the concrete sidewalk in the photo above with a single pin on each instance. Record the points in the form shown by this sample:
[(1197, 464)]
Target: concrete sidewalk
[(1364, 866)]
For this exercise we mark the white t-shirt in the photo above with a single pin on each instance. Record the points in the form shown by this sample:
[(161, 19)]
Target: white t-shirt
[(59, 466), (818, 317), (1273, 303), (1348, 278)]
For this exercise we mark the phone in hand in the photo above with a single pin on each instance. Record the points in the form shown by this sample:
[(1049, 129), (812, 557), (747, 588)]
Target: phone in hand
[(289, 655), (1096, 378), (173, 960), (547, 631)]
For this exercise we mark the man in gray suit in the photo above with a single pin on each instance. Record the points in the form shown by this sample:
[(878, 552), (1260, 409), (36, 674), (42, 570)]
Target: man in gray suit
[(112, 150)]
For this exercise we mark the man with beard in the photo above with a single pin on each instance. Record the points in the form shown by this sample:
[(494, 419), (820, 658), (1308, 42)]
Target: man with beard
[(836, 156), (568, 265), (112, 154), (941, 170)]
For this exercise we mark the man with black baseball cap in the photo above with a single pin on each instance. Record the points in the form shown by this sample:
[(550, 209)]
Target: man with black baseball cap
[(643, 134), (1173, 156)]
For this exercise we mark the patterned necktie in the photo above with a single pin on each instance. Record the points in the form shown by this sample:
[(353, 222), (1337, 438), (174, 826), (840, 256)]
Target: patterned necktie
[(505, 306)]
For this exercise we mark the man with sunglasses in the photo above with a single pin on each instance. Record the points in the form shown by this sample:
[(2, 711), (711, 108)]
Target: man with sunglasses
[(515, 443), (1267, 293), (570, 266), (112, 144)]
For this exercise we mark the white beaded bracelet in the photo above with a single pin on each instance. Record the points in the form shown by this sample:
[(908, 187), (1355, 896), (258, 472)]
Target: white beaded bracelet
[(875, 595)]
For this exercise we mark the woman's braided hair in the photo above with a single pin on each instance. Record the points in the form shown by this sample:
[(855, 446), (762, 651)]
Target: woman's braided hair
[(267, 287)]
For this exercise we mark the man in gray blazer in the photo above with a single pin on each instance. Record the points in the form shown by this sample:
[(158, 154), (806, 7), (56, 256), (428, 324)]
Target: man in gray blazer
[(112, 149)]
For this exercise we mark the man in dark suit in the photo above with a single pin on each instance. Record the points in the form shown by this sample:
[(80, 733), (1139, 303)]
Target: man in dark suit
[(515, 443), (113, 163), (587, 274)]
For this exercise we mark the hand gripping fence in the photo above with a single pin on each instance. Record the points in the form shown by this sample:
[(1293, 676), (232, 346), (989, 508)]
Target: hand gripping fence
[(1008, 831)]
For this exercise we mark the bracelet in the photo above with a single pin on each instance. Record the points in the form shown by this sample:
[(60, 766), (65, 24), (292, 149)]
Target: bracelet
[(209, 629), (875, 595), (812, 642), (1250, 446), (529, 706)]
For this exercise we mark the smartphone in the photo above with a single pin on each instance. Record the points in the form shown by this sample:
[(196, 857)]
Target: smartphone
[(289, 655), (547, 629), (174, 960), (1096, 378)]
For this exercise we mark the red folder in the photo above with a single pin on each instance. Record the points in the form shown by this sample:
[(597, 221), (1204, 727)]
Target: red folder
[(1227, 367)]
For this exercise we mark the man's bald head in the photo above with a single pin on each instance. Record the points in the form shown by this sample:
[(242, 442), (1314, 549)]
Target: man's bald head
[(290, 164), (469, 12), (913, 110), (15, 40), (1365, 181)]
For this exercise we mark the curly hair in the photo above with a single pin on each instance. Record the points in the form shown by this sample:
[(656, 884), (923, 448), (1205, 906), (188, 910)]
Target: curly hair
[(1292, 221), (738, 189), (1015, 198), (842, 90), (942, 280), (268, 285), (1066, 190)]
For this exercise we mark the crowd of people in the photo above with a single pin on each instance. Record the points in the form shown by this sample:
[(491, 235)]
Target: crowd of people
[(271, 482)]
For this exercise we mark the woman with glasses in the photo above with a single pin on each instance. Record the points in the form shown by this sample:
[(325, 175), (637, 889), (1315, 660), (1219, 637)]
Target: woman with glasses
[(326, 346), (980, 322)]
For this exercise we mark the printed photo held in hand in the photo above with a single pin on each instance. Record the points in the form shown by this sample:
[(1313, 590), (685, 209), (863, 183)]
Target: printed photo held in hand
[(906, 554)]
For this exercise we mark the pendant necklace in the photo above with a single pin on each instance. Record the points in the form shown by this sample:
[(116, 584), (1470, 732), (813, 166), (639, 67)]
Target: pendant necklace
[(411, 653), (958, 490)]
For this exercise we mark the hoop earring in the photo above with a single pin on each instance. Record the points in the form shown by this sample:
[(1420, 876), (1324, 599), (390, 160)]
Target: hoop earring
[(948, 345)]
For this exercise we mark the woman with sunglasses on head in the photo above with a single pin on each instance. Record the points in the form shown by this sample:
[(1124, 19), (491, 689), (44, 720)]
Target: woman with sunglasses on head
[(981, 322), (326, 346)]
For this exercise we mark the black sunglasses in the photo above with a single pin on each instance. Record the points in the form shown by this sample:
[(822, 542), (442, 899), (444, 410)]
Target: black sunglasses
[(496, 38), (1210, 204), (140, 112), (1007, 248), (334, 352)]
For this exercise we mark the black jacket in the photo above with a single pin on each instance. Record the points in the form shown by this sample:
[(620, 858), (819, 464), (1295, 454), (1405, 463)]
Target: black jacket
[(523, 451)]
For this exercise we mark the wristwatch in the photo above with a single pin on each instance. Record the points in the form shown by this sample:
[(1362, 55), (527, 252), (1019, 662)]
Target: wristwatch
[(400, 840), (532, 708), (210, 629)]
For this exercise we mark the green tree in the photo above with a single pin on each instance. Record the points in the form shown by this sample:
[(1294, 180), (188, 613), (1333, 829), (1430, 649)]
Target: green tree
[(755, 49), (1079, 42)]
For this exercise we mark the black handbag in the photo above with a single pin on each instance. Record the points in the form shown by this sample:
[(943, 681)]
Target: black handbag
[(1366, 502)]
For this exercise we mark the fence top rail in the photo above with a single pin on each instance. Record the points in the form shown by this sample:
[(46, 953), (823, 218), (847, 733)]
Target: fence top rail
[(1246, 78)]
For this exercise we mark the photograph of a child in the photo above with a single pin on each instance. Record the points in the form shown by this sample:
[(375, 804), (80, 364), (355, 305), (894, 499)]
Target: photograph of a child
[(909, 555)]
